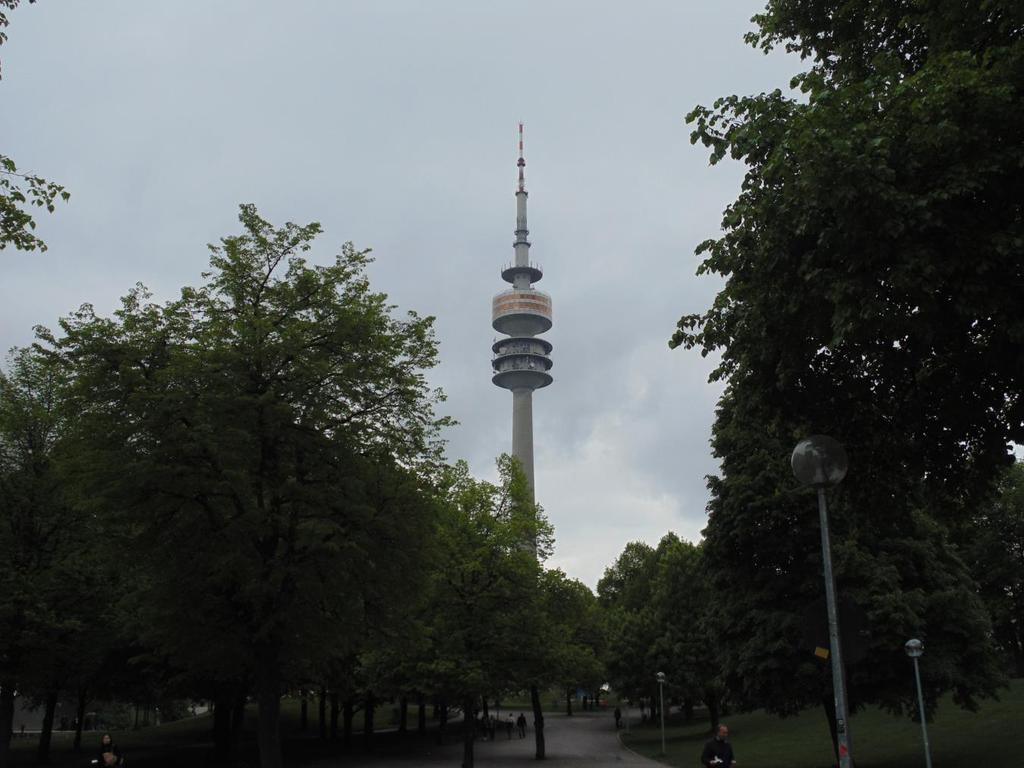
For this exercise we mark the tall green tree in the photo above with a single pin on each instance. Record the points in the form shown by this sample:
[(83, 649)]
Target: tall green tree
[(663, 617), (873, 256), (625, 592), (873, 275), (44, 544), (687, 609), (576, 634), (238, 434), (484, 622)]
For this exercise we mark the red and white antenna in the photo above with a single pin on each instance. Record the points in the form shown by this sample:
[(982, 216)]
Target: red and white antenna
[(522, 161)]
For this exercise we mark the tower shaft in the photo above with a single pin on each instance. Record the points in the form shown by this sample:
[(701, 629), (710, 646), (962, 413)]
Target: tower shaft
[(522, 433)]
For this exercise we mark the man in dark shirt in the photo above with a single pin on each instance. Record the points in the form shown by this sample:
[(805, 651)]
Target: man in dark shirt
[(718, 751)]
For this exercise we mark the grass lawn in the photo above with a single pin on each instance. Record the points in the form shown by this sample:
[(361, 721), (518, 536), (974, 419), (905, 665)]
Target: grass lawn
[(992, 736), (550, 701), (189, 741)]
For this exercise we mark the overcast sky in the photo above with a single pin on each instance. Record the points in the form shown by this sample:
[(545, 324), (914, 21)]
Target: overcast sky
[(394, 125)]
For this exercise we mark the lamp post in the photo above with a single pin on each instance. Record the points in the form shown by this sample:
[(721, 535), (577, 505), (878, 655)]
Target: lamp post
[(661, 695), (915, 649), (820, 461)]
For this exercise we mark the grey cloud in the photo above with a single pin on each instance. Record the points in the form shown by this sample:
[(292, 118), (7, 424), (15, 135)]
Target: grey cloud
[(393, 124)]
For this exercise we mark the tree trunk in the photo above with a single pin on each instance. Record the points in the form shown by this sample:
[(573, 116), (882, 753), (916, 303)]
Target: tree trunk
[(346, 719), (403, 714), (468, 732), (322, 715), (46, 734), (83, 702), (335, 711), (713, 712), (829, 705), (442, 716), (688, 708), (568, 701), (538, 721), (222, 705), (268, 695), (421, 722), (237, 721), (368, 713), (228, 717), (6, 721), (1017, 644), (303, 710)]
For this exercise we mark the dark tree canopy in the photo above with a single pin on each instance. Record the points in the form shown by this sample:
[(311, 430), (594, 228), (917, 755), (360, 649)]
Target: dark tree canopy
[(873, 257)]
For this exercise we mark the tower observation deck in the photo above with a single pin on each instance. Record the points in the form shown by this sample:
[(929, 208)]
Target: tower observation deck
[(522, 361)]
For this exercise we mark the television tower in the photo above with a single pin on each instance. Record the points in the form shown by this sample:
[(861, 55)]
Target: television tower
[(521, 361)]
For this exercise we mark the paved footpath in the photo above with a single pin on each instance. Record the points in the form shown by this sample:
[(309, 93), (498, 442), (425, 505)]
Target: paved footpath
[(585, 739)]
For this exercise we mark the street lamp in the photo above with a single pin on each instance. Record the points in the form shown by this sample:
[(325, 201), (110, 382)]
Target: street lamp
[(915, 649), (661, 694), (820, 461)]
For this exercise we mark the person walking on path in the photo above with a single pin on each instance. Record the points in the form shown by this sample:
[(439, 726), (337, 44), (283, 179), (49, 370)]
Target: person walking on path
[(521, 722), (618, 718), (718, 751)]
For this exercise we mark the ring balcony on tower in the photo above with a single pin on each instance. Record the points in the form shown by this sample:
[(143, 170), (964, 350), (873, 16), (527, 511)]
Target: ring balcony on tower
[(521, 312), (510, 271), (521, 362)]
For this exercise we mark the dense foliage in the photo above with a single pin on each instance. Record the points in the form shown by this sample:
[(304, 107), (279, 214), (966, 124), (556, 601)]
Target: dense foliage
[(873, 267), (661, 612), (250, 479)]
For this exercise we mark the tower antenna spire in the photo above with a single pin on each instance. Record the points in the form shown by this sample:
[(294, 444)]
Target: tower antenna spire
[(522, 161)]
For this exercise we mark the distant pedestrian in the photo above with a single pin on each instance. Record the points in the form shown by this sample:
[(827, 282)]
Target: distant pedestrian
[(510, 724), (618, 718), (718, 751), (521, 722)]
